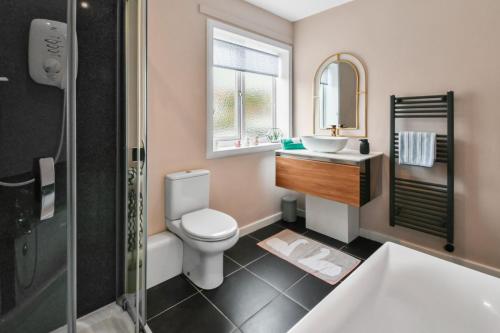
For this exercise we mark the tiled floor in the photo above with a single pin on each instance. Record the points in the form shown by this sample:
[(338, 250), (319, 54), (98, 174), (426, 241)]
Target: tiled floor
[(260, 293)]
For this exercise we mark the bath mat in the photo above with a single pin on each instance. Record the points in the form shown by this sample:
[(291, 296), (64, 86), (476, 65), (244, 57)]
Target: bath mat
[(322, 261)]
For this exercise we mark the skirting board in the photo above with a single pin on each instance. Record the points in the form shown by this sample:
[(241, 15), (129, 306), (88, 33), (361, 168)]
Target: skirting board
[(382, 238), (259, 224)]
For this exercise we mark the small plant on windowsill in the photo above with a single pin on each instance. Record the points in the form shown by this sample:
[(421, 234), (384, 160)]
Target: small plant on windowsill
[(274, 135)]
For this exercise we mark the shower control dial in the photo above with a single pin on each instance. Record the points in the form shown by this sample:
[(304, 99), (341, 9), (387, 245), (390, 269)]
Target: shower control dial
[(52, 67)]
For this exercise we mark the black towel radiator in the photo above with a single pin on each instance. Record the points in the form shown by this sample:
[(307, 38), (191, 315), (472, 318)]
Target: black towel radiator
[(420, 205)]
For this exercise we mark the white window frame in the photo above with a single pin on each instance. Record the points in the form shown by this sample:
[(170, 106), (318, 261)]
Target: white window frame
[(285, 105)]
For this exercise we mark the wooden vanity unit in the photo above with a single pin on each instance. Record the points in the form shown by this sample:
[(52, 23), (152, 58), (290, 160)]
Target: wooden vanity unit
[(346, 177)]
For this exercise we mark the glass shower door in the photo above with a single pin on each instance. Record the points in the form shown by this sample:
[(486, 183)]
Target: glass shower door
[(33, 169), (136, 160)]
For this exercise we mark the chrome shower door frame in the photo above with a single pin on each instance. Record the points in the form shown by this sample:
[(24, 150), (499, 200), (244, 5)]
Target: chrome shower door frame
[(135, 194), (71, 167)]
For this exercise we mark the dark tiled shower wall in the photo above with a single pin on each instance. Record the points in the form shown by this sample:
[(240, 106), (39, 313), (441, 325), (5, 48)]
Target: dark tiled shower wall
[(97, 145), (30, 113), (30, 119)]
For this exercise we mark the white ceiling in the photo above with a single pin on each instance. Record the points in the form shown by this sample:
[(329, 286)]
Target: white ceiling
[(294, 10)]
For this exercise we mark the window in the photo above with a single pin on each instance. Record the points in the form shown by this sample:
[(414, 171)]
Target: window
[(248, 91), (243, 104)]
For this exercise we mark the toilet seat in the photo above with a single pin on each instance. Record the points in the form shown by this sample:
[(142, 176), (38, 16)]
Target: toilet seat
[(208, 225)]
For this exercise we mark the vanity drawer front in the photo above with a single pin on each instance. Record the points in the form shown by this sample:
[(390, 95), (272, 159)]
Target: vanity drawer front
[(338, 182)]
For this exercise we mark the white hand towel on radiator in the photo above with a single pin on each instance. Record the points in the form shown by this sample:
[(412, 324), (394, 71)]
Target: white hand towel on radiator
[(417, 148)]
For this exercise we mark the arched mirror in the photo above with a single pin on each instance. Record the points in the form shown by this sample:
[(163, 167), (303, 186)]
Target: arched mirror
[(340, 96)]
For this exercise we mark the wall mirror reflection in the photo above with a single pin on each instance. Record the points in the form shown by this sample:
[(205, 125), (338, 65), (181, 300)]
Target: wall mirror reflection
[(339, 96)]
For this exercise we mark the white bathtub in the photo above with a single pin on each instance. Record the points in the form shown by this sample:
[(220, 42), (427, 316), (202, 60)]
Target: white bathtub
[(164, 258), (405, 291)]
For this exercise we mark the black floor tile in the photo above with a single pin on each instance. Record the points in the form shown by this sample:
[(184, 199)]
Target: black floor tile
[(267, 232), (193, 315), (245, 299), (298, 226), (245, 251), (230, 266), (241, 296), (278, 316), (168, 293), (309, 291), (276, 271), (362, 247), (324, 239)]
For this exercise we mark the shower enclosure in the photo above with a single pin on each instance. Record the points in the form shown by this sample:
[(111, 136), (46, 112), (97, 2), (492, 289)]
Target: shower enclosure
[(72, 162)]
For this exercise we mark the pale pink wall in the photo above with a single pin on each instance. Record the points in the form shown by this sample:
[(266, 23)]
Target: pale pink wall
[(421, 47), (240, 186)]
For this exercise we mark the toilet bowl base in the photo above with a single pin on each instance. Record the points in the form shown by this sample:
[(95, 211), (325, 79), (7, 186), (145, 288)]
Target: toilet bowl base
[(205, 270)]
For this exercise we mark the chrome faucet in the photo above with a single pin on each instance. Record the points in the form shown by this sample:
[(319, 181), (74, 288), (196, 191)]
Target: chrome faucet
[(334, 130)]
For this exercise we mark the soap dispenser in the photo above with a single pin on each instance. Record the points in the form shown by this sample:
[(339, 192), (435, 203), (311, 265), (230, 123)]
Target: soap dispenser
[(364, 147)]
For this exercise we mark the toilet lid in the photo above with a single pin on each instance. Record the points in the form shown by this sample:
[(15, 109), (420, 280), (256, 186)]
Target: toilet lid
[(208, 224)]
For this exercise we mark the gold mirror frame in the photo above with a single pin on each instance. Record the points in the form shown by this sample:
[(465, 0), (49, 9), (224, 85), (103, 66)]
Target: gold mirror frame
[(361, 129)]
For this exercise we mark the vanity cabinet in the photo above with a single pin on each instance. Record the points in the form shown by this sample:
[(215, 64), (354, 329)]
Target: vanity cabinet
[(335, 185), (333, 181), (347, 177)]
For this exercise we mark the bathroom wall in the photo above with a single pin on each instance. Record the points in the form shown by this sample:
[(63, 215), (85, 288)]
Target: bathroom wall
[(26, 106), (241, 186), (416, 48), (98, 140)]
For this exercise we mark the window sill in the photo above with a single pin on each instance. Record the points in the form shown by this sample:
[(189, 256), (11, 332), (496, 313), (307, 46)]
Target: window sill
[(233, 151)]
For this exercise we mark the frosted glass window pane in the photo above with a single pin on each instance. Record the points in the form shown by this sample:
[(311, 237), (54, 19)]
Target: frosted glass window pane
[(258, 104), (225, 119)]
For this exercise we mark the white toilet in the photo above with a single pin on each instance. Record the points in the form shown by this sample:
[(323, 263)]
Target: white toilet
[(205, 233)]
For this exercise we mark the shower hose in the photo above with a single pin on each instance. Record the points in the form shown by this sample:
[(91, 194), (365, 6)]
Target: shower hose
[(32, 180)]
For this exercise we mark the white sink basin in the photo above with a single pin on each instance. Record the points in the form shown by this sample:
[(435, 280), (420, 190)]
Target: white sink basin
[(323, 143)]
